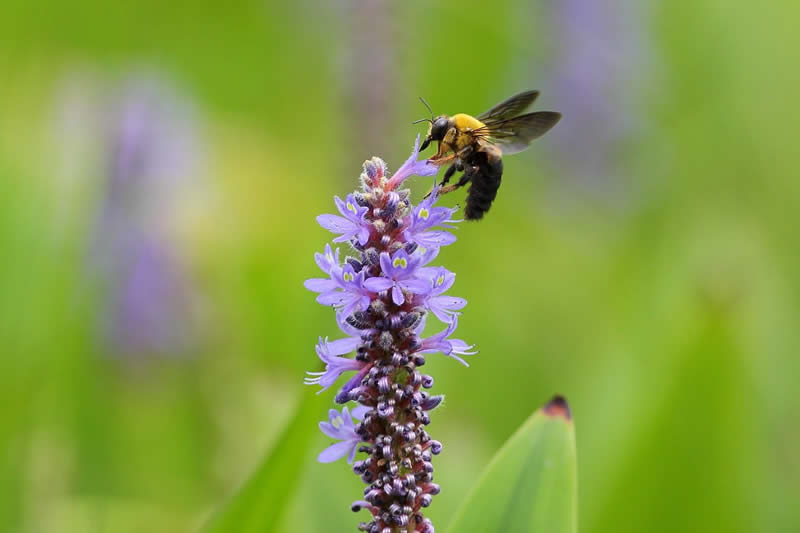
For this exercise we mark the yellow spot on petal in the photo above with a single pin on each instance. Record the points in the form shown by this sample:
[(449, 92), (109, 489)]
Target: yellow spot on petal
[(349, 276), (439, 280), (337, 422), (423, 214), (400, 262), (351, 207)]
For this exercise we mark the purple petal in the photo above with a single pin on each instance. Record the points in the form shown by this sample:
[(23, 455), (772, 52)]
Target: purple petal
[(427, 254), (342, 346), (442, 280), (442, 314), (440, 305), (439, 215), (378, 284), (449, 303), (434, 238), (352, 456), (325, 261), (360, 411), (460, 347), (347, 329), (363, 235), (341, 206), (320, 285), (386, 264), (412, 167), (457, 358), (415, 285), (336, 451), (355, 302), (329, 430), (348, 422), (397, 295), (336, 224), (354, 381), (332, 298), (421, 326)]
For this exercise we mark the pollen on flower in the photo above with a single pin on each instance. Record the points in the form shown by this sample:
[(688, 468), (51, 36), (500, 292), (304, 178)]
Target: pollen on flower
[(382, 298)]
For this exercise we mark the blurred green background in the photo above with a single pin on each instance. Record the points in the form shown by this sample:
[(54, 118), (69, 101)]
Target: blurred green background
[(642, 259)]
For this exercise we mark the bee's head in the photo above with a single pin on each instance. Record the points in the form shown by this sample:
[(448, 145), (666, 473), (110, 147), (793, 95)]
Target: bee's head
[(436, 131)]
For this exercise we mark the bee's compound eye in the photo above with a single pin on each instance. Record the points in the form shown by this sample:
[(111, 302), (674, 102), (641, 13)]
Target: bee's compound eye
[(439, 128)]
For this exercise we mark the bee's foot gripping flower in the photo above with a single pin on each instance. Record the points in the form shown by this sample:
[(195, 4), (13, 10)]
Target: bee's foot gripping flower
[(382, 297)]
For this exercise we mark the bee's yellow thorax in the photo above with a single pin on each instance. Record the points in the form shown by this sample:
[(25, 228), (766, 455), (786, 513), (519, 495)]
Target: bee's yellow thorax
[(464, 121)]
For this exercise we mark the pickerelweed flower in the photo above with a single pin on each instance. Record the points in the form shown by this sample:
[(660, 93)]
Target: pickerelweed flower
[(152, 151), (599, 70), (382, 297)]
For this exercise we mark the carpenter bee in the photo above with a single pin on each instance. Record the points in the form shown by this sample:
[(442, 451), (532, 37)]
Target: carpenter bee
[(475, 145)]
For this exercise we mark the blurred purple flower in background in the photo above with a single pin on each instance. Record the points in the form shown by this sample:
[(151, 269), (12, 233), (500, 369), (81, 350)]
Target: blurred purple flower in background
[(367, 57), (598, 70), (150, 151)]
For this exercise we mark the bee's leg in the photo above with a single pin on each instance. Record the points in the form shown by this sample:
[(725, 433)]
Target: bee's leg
[(463, 181), (465, 152), (446, 145), (458, 166), (449, 174)]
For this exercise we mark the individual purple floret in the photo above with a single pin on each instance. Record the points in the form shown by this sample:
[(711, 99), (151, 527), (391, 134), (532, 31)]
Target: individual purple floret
[(442, 305), (400, 271), (382, 297), (342, 428), (334, 366), (350, 224), (449, 347), (425, 216)]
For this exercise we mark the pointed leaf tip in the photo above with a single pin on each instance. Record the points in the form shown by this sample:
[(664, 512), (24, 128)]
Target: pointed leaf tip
[(558, 406), (530, 486)]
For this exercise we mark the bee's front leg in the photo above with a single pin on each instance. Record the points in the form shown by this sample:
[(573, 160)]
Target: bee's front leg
[(446, 145)]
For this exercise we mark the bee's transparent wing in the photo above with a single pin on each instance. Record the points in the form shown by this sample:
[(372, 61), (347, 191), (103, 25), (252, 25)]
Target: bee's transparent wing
[(516, 134), (509, 108)]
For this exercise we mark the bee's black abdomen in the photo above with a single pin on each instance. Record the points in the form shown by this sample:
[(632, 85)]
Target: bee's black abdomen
[(485, 169)]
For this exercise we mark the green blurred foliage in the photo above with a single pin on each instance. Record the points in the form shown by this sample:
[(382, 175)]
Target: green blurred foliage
[(671, 323)]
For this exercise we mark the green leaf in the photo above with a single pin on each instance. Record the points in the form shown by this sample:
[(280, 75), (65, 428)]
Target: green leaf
[(531, 484), (260, 504)]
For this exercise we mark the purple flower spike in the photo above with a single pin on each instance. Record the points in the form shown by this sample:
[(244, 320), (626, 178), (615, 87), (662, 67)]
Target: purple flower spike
[(342, 428), (334, 366), (382, 299), (351, 224), (400, 272)]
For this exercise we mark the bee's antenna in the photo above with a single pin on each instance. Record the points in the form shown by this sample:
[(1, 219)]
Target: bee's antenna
[(422, 120), (428, 106)]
